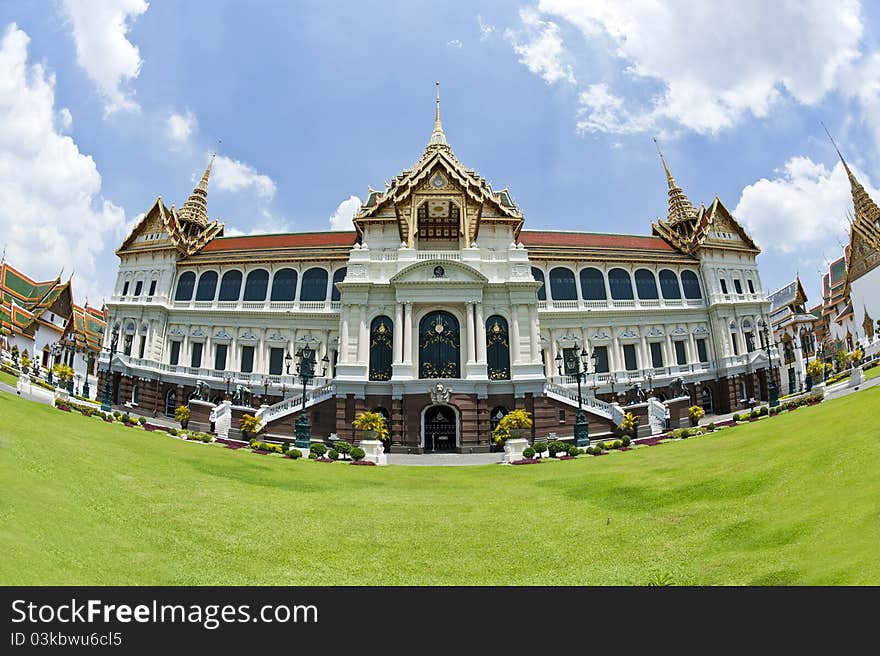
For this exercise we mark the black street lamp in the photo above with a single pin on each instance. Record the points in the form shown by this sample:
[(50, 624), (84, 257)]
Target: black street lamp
[(772, 388), (228, 378), (105, 399), (306, 369), (581, 426), (266, 382), (55, 352)]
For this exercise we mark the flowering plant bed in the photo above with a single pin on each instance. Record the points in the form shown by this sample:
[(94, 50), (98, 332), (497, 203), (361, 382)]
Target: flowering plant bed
[(566, 457), (62, 408), (652, 441), (260, 451), (109, 420), (600, 453), (625, 448), (527, 461), (324, 460), (235, 446), (366, 463)]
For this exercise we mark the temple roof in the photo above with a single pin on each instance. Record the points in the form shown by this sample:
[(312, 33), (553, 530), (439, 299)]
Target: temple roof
[(793, 292), (568, 239)]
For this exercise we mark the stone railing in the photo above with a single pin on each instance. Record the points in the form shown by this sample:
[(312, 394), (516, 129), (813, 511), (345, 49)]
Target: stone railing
[(294, 403), (570, 396), (610, 305)]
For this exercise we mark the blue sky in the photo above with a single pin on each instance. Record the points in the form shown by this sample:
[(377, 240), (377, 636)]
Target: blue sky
[(314, 101)]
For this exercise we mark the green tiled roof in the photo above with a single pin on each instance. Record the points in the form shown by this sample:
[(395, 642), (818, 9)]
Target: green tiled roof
[(838, 270)]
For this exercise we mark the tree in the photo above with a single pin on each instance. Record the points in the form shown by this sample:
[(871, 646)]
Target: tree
[(182, 414)]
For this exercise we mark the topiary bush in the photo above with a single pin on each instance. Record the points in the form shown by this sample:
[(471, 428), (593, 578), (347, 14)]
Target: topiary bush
[(626, 441), (735, 416), (333, 454), (142, 420), (318, 448), (313, 455), (573, 451), (763, 411), (357, 453), (711, 427), (294, 454), (117, 414), (172, 431), (540, 448), (528, 453), (343, 448)]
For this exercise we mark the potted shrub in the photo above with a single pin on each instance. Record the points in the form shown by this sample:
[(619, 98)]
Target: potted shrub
[(376, 434), (510, 433), (182, 414), (249, 426), (695, 413), (629, 425)]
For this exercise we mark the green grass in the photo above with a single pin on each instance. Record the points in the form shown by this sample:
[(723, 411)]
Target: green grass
[(873, 372), (9, 379), (793, 499)]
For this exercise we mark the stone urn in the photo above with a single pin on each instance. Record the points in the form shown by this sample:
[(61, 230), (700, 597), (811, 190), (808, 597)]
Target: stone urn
[(374, 450), (514, 447)]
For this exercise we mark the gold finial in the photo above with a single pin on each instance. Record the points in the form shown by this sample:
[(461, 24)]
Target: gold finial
[(438, 137), (680, 207)]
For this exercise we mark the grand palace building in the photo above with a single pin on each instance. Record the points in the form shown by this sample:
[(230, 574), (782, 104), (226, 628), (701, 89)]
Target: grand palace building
[(440, 282)]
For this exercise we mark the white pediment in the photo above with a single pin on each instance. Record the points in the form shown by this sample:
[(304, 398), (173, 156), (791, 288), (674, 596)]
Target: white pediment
[(439, 272)]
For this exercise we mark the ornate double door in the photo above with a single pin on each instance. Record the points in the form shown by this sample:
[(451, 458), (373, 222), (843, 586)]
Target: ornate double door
[(441, 426), (439, 346)]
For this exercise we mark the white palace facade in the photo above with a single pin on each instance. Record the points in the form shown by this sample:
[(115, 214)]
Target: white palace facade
[(439, 282)]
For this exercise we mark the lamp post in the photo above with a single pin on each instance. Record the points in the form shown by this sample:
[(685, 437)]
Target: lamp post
[(105, 399), (55, 351), (772, 389), (581, 426), (85, 387), (305, 367), (266, 382), (228, 378)]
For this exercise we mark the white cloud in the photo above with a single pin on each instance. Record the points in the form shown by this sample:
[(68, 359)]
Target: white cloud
[(51, 211), (539, 46), (455, 43), (233, 175), (803, 210), (100, 29), (602, 111), (179, 128), (267, 223), (345, 211), (715, 62), (65, 120), (485, 30)]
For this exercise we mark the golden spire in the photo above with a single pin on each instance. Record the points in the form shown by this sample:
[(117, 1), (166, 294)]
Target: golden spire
[(867, 220), (195, 209), (680, 207), (438, 137)]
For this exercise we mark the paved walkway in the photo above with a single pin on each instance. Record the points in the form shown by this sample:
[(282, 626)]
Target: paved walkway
[(444, 459)]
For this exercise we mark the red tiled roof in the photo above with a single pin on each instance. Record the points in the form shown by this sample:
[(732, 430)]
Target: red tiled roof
[(591, 240), (290, 240)]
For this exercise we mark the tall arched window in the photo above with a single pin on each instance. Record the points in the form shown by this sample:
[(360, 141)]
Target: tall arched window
[(646, 285), (562, 284), (497, 348), (230, 286), (170, 403), (620, 284), (669, 284), (691, 285), (284, 285), (338, 276), (185, 285), (439, 346), (538, 275), (593, 285), (256, 285), (381, 333), (314, 285), (207, 286)]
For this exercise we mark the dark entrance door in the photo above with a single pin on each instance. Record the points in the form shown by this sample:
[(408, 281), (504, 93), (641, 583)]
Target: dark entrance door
[(440, 428), (439, 346)]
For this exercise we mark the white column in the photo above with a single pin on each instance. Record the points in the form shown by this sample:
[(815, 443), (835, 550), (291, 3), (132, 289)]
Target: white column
[(514, 334), (343, 335), (548, 362), (691, 348), (670, 350), (481, 335), (407, 333), (363, 337), (645, 359), (397, 334), (615, 354), (554, 351), (533, 333), (325, 351), (471, 333)]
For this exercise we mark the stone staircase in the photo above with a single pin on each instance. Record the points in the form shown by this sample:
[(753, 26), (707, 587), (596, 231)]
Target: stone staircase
[(609, 411), (292, 404)]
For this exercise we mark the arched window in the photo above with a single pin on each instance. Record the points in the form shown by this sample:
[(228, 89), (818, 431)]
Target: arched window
[(381, 333), (593, 285), (230, 286), (562, 285), (170, 403), (496, 415), (284, 285), (135, 394), (497, 348), (314, 285), (691, 285), (538, 275), (706, 399), (207, 286), (669, 284), (439, 346), (185, 285), (338, 276), (620, 284), (256, 285), (646, 284)]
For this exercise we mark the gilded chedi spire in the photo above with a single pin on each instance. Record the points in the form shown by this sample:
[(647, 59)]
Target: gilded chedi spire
[(680, 207), (195, 209), (438, 137), (867, 221)]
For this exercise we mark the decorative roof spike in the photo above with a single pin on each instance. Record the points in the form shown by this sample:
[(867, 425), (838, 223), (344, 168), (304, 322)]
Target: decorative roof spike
[(680, 207), (195, 209), (867, 214), (438, 137)]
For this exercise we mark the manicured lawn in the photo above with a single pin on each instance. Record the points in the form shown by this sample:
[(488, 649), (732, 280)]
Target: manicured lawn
[(793, 499), (9, 379), (873, 372)]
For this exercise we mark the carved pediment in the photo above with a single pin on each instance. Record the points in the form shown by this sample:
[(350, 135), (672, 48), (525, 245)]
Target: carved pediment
[(439, 272)]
